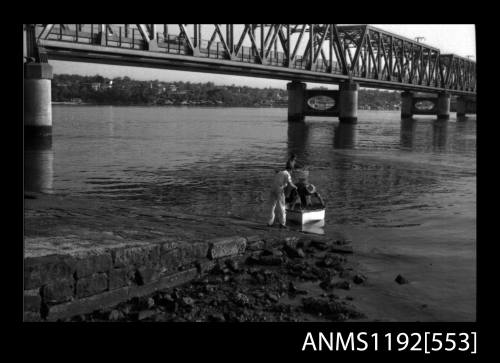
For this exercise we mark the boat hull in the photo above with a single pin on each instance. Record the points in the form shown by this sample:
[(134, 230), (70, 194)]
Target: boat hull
[(305, 216)]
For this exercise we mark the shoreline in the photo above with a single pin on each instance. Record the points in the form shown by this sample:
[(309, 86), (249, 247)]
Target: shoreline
[(80, 259), (82, 230)]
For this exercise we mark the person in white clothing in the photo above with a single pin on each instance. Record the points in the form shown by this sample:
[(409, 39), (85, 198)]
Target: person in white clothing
[(277, 196)]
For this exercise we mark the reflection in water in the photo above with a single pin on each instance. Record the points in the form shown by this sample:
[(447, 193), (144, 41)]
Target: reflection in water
[(38, 168), (439, 136), (316, 227), (111, 122), (344, 136), (408, 127), (298, 138)]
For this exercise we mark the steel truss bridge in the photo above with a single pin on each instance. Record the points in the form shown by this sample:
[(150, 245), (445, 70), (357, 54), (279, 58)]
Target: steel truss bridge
[(319, 53)]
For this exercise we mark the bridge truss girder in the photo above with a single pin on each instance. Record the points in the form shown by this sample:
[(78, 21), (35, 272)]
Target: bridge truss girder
[(357, 51)]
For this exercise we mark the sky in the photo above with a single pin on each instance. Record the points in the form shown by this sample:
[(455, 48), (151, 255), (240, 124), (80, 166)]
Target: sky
[(449, 38)]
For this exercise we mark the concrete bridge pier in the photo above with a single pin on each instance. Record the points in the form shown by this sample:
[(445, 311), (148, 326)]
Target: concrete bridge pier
[(406, 105), (296, 101), (348, 102), (443, 106), (37, 101)]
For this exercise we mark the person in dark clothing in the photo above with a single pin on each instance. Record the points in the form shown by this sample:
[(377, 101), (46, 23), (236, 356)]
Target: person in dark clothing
[(305, 192), (290, 164)]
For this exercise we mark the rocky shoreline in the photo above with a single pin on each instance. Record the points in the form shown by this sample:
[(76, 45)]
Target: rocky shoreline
[(272, 284), (100, 260)]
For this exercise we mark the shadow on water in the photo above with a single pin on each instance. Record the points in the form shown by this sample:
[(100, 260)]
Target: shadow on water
[(344, 136), (298, 140), (408, 127), (38, 166), (440, 135)]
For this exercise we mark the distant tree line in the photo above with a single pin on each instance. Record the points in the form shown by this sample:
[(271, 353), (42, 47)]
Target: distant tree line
[(126, 91)]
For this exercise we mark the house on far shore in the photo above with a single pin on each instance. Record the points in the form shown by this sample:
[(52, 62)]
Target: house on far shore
[(96, 86)]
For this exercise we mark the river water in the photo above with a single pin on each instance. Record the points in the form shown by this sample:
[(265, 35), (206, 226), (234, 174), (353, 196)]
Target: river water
[(400, 188)]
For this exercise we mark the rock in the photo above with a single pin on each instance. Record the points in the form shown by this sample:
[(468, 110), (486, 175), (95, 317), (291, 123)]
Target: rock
[(259, 294), (255, 246), (318, 244), (241, 299), (270, 261), (115, 315), (217, 269), (87, 263), (59, 291), (252, 260), (187, 302), (272, 297), (330, 308), (342, 242), (126, 308), (341, 249), (401, 280), (91, 285), (292, 241), (326, 284), (46, 269), (345, 285), (145, 314), (330, 260), (148, 255), (228, 246), (209, 288), (32, 300), (266, 252), (344, 274), (232, 265), (323, 306), (217, 317), (120, 277), (359, 279), (293, 252), (177, 293), (150, 302)]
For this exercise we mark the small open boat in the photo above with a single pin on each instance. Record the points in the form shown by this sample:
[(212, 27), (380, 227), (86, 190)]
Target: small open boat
[(305, 215)]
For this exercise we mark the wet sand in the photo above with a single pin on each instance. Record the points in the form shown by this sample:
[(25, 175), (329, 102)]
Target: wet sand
[(436, 254)]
